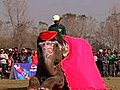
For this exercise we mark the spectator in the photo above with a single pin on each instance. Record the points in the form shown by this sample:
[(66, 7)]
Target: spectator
[(111, 59), (1, 74), (100, 61), (95, 56), (16, 56), (105, 63), (117, 63), (10, 62), (34, 57), (29, 57), (3, 61), (23, 56)]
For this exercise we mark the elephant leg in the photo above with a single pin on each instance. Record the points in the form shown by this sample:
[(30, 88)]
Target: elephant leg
[(33, 83), (49, 83)]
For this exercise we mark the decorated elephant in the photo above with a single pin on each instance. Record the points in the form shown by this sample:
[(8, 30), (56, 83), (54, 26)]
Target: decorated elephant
[(65, 63), (49, 73)]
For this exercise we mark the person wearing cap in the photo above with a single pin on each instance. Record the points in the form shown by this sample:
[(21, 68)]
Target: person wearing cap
[(57, 26)]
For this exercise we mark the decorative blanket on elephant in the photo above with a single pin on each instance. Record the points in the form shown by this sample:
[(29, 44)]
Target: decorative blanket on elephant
[(80, 68)]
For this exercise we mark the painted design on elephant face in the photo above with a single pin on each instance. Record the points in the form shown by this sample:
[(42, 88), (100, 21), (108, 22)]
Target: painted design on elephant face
[(48, 47)]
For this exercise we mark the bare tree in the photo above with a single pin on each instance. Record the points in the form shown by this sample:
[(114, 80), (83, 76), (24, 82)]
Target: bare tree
[(76, 25), (17, 16), (113, 28), (69, 20), (81, 26)]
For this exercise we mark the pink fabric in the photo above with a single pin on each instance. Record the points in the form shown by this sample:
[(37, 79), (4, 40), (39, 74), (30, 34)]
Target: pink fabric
[(80, 68)]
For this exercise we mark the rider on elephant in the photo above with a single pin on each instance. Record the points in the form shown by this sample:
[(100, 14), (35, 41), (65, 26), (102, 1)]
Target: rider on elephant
[(57, 26)]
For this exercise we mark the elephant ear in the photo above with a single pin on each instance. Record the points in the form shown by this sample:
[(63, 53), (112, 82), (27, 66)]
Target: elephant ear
[(48, 35)]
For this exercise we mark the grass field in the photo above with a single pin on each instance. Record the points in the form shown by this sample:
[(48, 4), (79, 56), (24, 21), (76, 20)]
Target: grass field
[(5, 84)]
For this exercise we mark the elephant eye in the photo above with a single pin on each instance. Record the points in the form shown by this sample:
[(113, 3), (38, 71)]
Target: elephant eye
[(56, 45)]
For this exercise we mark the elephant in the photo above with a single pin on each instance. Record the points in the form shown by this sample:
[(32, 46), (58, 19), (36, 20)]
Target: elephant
[(65, 63), (49, 75)]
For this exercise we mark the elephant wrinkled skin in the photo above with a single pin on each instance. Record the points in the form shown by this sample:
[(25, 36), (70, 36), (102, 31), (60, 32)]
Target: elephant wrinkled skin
[(49, 75)]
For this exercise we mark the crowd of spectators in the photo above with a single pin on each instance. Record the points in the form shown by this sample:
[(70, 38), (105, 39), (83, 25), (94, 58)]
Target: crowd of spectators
[(108, 62), (13, 55)]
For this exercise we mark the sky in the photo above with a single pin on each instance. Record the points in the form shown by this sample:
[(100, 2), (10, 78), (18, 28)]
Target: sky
[(43, 10)]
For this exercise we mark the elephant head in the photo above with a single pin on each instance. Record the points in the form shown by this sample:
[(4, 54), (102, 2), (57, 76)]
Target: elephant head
[(51, 53)]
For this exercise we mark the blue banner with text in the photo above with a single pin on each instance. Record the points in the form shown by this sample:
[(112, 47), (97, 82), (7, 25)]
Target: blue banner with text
[(24, 70)]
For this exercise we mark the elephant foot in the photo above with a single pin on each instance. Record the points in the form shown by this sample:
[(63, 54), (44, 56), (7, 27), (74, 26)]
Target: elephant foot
[(34, 84)]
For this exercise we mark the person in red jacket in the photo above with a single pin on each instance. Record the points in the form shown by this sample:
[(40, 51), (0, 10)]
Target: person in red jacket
[(34, 57)]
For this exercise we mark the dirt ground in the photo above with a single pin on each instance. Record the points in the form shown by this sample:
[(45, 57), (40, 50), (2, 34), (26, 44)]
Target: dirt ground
[(5, 84), (112, 82)]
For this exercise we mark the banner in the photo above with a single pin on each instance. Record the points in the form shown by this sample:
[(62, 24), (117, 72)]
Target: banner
[(24, 70)]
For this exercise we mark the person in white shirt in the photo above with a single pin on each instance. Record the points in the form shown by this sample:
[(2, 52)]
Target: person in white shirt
[(3, 61)]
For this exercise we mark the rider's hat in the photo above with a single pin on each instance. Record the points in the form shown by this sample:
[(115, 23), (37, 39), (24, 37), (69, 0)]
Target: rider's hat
[(56, 18)]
